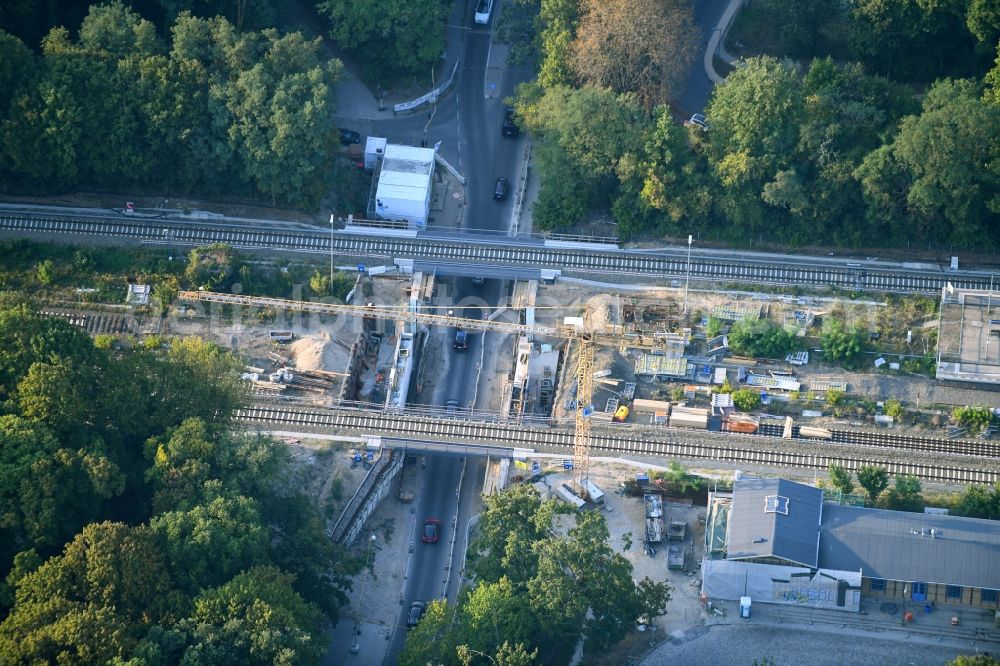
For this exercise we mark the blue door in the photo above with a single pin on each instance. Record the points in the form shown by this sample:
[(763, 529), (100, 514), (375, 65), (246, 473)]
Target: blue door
[(920, 591)]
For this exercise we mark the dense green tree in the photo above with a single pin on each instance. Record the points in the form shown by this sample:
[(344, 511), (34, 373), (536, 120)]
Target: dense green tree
[(840, 478), (220, 111), (256, 618), (945, 167), (511, 518), (433, 641), (494, 613), (905, 495), (672, 179), (243, 14), (974, 418), (507, 655), (181, 464), (30, 338), (846, 114), (746, 399), (557, 21), (212, 542), (282, 108), (841, 345), (760, 338), (88, 605), (17, 67), (584, 136), (912, 39), (790, 28), (211, 267), (874, 480), (983, 20), (395, 38), (980, 502), (516, 27), (755, 117)]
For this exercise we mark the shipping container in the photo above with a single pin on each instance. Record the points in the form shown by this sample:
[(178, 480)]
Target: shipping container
[(814, 433), (746, 427), (687, 417), (641, 406)]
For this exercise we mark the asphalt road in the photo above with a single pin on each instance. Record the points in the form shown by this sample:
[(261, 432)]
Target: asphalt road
[(426, 573), (468, 125), (698, 87)]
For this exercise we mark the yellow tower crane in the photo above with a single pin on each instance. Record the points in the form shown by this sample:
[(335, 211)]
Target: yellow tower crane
[(613, 335)]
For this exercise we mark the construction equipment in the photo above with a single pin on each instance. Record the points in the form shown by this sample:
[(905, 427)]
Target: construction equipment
[(614, 335)]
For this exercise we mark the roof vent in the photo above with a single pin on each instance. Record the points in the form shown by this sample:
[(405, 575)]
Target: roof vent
[(776, 504)]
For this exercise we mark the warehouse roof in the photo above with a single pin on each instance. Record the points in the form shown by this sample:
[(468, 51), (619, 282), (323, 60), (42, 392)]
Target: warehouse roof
[(897, 545), (775, 518)]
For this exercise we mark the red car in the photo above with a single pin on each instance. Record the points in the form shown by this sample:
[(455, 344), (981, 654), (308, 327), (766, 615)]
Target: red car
[(432, 530)]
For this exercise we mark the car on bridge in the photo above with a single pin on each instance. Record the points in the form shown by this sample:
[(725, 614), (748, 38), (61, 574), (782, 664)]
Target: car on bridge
[(432, 530)]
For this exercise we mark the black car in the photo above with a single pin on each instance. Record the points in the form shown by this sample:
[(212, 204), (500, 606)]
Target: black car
[(416, 612), (500, 189), (347, 137), (461, 340), (510, 127)]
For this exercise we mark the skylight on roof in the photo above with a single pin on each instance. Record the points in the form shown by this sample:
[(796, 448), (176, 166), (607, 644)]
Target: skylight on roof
[(776, 504)]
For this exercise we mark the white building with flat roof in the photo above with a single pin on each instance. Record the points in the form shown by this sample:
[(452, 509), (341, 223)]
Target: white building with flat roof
[(404, 184)]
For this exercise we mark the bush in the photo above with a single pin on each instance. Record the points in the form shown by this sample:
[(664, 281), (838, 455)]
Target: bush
[(761, 338), (893, 408), (746, 399), (974, 419)]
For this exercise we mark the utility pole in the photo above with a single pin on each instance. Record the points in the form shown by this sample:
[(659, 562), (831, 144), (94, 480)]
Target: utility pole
[(687, 282)]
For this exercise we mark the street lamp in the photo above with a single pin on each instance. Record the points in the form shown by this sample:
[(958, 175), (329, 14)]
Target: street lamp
[(687, 281), (355, 647)]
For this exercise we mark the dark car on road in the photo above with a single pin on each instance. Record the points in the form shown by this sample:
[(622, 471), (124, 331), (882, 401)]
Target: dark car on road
[(432, 530), (500, 189), (510, 127), (416, 612), (347, 137), (461, 340)]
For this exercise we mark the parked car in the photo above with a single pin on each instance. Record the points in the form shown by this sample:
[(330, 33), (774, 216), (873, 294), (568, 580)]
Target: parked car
[(699, 120), (510, 127), (347, 137), (417, 609), (432, 529), (500, 189)]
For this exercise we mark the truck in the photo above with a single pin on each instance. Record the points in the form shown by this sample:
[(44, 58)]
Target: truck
[(675, 556)]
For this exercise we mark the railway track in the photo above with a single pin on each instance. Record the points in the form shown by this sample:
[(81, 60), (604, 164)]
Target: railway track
[(514, 253), (981, 449), (470, 432)]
